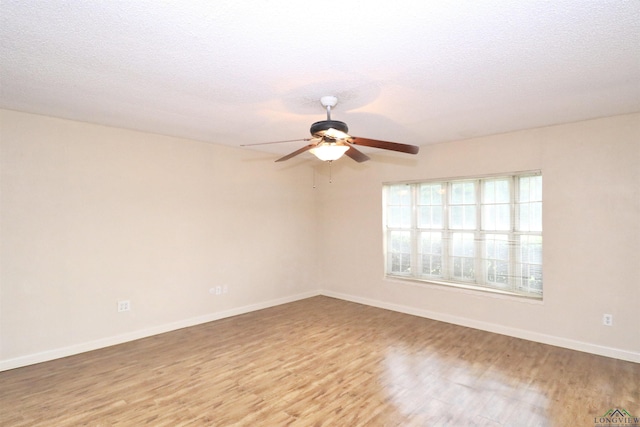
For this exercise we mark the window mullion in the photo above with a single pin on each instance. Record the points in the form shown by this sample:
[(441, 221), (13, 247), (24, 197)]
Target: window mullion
[(447, 267), (479, 264), (415, 240), (515, 265), (514, 262), (444, 236)]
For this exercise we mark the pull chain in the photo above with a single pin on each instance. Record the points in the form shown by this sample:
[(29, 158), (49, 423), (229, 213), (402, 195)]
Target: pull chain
[(330, 177)]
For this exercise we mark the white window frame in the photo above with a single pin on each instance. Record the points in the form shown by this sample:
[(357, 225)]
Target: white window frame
[(514, 282)]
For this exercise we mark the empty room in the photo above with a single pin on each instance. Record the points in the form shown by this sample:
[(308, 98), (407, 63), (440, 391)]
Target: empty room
[(279, 213)]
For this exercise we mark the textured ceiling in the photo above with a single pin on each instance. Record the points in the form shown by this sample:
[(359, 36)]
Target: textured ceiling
[(237, 72)]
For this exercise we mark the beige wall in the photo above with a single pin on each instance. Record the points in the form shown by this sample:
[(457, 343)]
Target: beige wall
[(91, 215), (591, 234)]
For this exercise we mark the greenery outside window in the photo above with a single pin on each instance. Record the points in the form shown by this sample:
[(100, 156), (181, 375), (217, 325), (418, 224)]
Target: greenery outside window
[(483, 232)]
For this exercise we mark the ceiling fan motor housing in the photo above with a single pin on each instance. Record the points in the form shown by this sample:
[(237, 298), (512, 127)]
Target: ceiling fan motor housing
[(325, 125)]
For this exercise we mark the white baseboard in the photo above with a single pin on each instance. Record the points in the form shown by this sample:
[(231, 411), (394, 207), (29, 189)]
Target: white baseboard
[(58, 353), (485, 326), (492, 327)]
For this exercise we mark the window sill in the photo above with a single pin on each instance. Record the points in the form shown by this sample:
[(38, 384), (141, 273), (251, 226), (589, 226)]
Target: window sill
[(466, 289)]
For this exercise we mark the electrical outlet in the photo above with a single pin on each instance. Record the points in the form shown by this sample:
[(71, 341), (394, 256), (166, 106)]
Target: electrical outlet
[(607, 319), (124, 305), (219, 290)]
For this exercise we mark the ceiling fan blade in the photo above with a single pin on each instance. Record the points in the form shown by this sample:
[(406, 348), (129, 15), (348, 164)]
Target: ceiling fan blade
[(385, 145), (275, 142), (356, 155), (295, 153)]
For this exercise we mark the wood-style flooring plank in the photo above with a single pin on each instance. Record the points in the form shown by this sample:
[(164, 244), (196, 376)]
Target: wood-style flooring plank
[(321, 362)]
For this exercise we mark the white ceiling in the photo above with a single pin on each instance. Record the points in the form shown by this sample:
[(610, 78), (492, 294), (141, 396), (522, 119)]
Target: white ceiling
[(236, 72)]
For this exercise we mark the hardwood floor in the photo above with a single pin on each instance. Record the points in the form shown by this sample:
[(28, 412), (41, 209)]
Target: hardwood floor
[(321, 362)]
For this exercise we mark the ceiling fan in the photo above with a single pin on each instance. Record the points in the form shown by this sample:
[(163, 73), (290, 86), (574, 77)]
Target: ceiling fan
[(330, 140)]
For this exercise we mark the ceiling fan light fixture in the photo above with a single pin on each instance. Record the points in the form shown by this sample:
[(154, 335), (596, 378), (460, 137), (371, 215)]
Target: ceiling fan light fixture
[(329, 151), (336, 134)]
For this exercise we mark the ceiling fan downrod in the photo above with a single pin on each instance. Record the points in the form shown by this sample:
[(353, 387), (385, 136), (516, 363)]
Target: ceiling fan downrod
[(328, 102)]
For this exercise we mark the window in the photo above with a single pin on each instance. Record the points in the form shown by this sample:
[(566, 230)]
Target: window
[(480, 232)]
